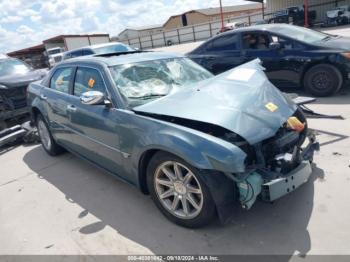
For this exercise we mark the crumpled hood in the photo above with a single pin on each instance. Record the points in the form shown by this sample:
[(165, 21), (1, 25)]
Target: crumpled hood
[(241, 100), (17, 80)]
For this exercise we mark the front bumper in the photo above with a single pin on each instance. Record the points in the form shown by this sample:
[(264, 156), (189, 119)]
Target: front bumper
[(284, 185), (287, 183), (258, 182)]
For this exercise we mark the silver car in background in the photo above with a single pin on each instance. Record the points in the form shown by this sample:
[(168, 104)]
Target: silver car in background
[(99, 49)]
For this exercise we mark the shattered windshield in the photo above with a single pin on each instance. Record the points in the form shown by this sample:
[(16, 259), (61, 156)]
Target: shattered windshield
[(12, 67), (142, 82)]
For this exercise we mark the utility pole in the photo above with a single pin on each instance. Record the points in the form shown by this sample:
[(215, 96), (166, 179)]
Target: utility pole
[(222, 16), (306, 13)]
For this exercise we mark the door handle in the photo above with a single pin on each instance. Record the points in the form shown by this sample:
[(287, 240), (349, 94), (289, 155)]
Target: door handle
[(43, 97), (71, 108)]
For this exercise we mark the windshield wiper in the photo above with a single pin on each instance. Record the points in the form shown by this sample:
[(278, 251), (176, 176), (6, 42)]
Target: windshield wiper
[(147, 96), (327, 38)]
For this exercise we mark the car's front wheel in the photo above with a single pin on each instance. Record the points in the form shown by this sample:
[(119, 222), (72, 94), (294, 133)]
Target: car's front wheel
[(47, 141), (179, 191), (323, 80)]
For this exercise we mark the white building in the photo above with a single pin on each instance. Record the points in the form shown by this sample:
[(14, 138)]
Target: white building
[(134, 32)]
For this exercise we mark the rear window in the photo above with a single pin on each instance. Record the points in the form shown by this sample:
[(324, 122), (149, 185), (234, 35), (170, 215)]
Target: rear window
[(113, 49)]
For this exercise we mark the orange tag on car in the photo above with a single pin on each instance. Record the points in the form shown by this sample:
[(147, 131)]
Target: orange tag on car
[(295, 124), (59, 81), (91, 82)]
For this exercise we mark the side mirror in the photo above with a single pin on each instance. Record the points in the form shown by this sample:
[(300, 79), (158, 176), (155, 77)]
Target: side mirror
[(275, 46), (94, 98)]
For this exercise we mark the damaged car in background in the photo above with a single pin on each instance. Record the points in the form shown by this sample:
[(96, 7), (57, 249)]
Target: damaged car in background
[(15, 76), (197, 143)]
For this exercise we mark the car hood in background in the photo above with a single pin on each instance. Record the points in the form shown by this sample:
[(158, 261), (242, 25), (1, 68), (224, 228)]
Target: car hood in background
[(337, 43), (17, 80), (241, 100)]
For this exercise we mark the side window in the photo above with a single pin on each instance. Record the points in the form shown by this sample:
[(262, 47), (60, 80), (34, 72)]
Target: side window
[(226, 42), (61, 79), (87, 52), (76, 53), (255, 41), (88, 79), (284, 42)]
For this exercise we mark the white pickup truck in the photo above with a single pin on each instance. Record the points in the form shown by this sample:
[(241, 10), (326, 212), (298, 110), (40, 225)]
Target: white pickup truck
[(55, 55)]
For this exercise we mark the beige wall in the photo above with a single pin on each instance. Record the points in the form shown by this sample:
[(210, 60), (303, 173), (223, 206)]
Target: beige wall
[(194, 18)]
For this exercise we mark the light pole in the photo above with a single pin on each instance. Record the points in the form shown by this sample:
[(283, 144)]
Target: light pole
[(306, 13), (222, 17)]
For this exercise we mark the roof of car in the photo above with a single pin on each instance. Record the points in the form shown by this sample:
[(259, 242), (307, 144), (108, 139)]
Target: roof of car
[(262, 27), (94, 46), (122, 58)]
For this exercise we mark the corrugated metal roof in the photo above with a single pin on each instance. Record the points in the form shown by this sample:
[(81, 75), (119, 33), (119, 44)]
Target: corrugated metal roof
[(227, 9), (148, 27)]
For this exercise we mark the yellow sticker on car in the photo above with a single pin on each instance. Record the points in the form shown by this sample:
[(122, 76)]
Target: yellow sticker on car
[(271, 107), (91, 82)]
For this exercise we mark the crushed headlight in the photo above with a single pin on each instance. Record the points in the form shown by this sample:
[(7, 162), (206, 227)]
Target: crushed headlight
[(295, 124)]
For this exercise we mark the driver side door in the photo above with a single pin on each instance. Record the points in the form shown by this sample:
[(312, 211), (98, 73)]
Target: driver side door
[(95, 127)]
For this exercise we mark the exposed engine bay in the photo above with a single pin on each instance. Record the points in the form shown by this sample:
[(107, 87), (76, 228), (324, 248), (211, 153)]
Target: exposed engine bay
[(272, 163)]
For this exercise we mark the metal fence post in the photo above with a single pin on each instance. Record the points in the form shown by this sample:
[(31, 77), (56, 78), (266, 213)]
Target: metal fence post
[(178, 35), (151, 40), (140, 43), (164, 38), (194, 34), (249, 22), (129, 41), (211, 33)]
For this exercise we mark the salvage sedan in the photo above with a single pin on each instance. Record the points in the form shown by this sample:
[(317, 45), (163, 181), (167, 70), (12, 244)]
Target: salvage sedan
[(196, 143)]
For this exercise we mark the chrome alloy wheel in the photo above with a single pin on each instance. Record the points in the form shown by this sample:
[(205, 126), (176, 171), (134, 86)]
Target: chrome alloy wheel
[(44, 134), (178, 190)]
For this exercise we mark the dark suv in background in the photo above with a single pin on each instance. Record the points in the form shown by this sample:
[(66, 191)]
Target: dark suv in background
[(15, 76)]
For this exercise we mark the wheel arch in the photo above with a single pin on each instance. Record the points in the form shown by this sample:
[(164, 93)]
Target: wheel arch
[(222, 189), (315, 63), (142, 168)]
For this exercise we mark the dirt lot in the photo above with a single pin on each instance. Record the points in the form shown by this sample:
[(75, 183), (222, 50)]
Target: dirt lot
[(63, 205)]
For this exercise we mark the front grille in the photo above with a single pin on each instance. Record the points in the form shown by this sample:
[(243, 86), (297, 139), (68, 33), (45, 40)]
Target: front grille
[(13, 98), (58, 59)]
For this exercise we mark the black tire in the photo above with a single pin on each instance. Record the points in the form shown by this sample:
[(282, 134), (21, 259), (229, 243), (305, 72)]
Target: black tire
[(323, 80), (208, 210), (52, 148)]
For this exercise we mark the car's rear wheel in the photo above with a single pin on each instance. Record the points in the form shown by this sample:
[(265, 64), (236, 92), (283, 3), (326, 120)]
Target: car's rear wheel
[(323, 80), (179, 191), (47, 141)]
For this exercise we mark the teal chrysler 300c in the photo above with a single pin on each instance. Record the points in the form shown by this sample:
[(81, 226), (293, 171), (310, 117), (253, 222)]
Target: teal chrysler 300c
[(195, 142)]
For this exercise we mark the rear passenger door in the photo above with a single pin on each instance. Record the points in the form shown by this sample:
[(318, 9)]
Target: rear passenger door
[(220, 54), (95, 126), (56, 99)]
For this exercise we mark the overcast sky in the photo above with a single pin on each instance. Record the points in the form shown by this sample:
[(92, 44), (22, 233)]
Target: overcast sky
[(24, 23)]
